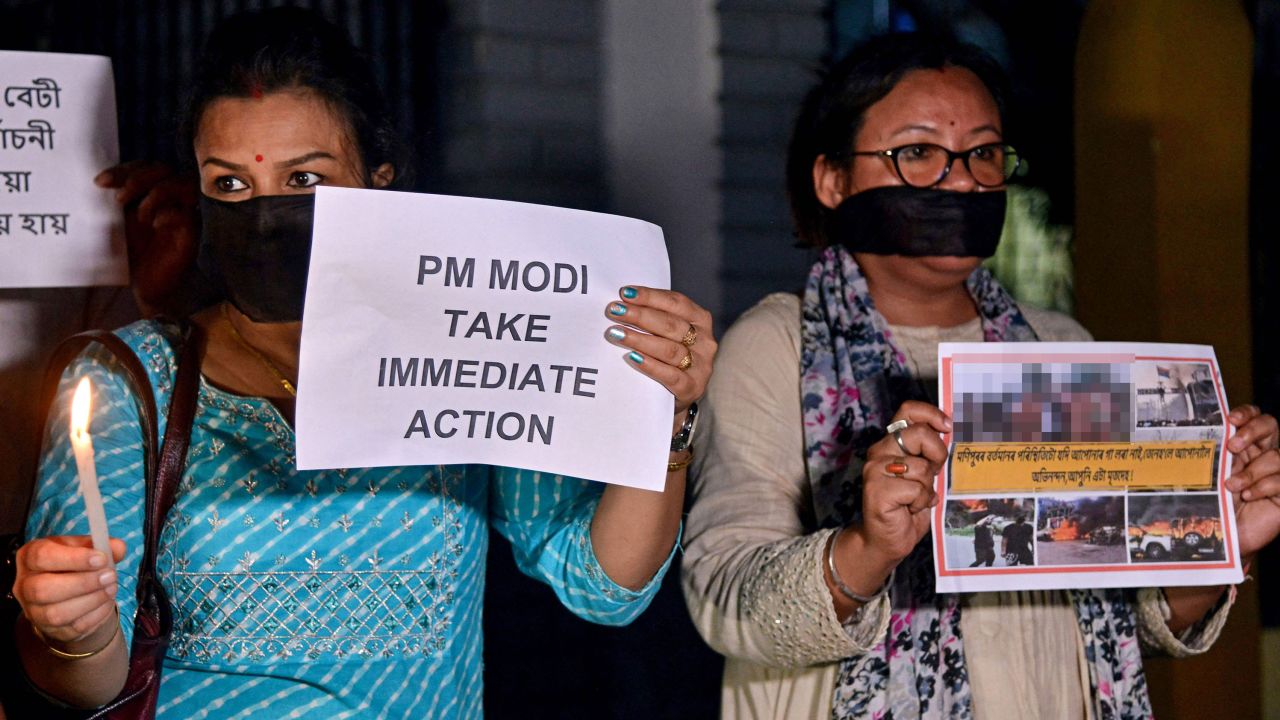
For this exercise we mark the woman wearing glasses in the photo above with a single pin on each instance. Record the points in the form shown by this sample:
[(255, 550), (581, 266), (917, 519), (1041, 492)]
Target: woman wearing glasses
[(803, 560)]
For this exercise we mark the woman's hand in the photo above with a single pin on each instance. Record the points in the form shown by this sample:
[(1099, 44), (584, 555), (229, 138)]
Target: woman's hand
[(897, 493), (1255, 477), (675, 345), (160, 226), (670, 339), (895, 504), (68, 591)]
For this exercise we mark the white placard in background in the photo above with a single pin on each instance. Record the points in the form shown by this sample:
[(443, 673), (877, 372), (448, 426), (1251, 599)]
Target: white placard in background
[(57, 131), (444, 330)]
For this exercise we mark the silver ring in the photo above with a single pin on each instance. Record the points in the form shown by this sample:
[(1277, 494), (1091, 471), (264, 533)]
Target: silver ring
[(895, 428)]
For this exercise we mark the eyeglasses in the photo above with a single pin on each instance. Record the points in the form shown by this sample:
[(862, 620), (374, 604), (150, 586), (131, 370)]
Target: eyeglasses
[(924, 165)]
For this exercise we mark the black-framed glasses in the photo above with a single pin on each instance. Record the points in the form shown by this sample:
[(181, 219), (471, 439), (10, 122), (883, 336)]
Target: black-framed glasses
[(924, 165)]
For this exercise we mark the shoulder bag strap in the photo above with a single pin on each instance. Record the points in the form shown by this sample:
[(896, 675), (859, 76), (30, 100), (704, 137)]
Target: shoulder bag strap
[(173, 454), (63, 354), (162, 466)]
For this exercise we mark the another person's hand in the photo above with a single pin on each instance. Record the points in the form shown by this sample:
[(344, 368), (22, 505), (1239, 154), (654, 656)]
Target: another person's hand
[(1255, 477), (676, 345), (895, 502), (68, 591), (160, 223)]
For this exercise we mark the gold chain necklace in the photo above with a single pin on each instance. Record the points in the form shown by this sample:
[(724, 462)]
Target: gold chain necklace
[(284, 381)]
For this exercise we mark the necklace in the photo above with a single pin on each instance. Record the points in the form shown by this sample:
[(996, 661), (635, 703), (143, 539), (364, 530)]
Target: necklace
[(270, 366)]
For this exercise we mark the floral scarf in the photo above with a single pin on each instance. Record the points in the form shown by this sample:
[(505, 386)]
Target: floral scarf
[(852, 381)]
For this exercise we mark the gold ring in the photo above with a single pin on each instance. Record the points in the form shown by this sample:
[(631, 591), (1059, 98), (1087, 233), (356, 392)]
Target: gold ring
[(686, 362), (690, 336)]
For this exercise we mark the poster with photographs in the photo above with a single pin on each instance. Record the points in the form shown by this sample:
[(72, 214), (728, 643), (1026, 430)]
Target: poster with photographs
[(1083, 465)]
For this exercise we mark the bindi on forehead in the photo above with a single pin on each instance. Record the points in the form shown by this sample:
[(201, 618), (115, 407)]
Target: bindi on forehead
[(257, 158)]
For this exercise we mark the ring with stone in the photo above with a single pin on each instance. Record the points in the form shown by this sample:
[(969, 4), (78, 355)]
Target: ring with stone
[(896, 469)]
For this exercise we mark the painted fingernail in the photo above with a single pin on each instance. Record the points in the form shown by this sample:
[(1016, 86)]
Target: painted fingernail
[(629, 293), (636, 358), (97, 560), (616, 334), (617, 309), (107, 578)]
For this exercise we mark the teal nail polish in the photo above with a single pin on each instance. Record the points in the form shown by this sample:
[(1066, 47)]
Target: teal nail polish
[(629, 293), (617, 309), (636, 358), (616, 334)]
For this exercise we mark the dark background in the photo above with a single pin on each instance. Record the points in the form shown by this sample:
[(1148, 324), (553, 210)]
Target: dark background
[(540, 661)]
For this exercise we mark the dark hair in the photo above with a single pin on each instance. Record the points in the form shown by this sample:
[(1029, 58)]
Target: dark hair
[(832, 112), (287, 48)]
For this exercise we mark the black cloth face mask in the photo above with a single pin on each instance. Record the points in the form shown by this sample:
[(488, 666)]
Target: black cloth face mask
[(257, 252), (918, 222)]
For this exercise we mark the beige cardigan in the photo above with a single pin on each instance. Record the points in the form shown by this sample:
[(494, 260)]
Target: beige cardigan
[(752, 568)]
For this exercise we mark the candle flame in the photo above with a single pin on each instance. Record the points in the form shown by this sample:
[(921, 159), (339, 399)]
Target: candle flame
[(80, 409)]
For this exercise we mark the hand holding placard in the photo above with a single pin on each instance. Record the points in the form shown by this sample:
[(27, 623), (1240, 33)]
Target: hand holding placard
[(464, 330)]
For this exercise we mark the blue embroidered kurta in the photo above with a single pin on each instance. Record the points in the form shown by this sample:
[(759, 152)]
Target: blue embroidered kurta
[(337, 594)]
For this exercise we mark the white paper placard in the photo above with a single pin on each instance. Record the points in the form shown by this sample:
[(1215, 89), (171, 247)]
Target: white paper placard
[(57, 131), (1083, 465), (443, 330)]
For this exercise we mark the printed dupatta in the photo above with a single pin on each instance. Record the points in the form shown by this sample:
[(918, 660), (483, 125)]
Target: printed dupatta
[(852, 381)]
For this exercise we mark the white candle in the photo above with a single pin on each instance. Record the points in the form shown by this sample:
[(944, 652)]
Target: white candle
[(82, 445)]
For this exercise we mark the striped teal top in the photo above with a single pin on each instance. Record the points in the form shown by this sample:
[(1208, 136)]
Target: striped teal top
[(319, 594)]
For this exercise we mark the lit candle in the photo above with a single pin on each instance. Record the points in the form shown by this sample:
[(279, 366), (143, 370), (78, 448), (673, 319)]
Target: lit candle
[(88, 472)]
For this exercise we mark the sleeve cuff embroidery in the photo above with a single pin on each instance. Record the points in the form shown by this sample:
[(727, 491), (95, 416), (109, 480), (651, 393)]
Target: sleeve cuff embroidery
[(788, 602), (600, 579)]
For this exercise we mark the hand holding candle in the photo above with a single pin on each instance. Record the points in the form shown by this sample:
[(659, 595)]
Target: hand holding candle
[(82, 445)]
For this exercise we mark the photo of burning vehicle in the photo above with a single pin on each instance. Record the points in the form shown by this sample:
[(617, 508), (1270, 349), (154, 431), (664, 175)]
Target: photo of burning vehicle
[(1175, 527), (1081, 530), (990, 532)]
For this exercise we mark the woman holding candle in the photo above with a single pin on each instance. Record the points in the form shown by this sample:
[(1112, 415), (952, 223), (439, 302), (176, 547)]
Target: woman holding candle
[(804, 562), (347, 593)]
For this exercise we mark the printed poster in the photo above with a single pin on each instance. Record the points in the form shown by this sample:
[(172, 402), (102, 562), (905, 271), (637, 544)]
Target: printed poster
[(1083, 465)]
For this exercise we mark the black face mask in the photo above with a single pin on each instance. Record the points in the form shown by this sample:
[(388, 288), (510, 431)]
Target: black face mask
[(257, 251), (903, 220)]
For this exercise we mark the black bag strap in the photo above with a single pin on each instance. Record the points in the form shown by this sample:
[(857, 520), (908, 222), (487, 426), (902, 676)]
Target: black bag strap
[(63, 355), (163, 488), (163, 465)]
